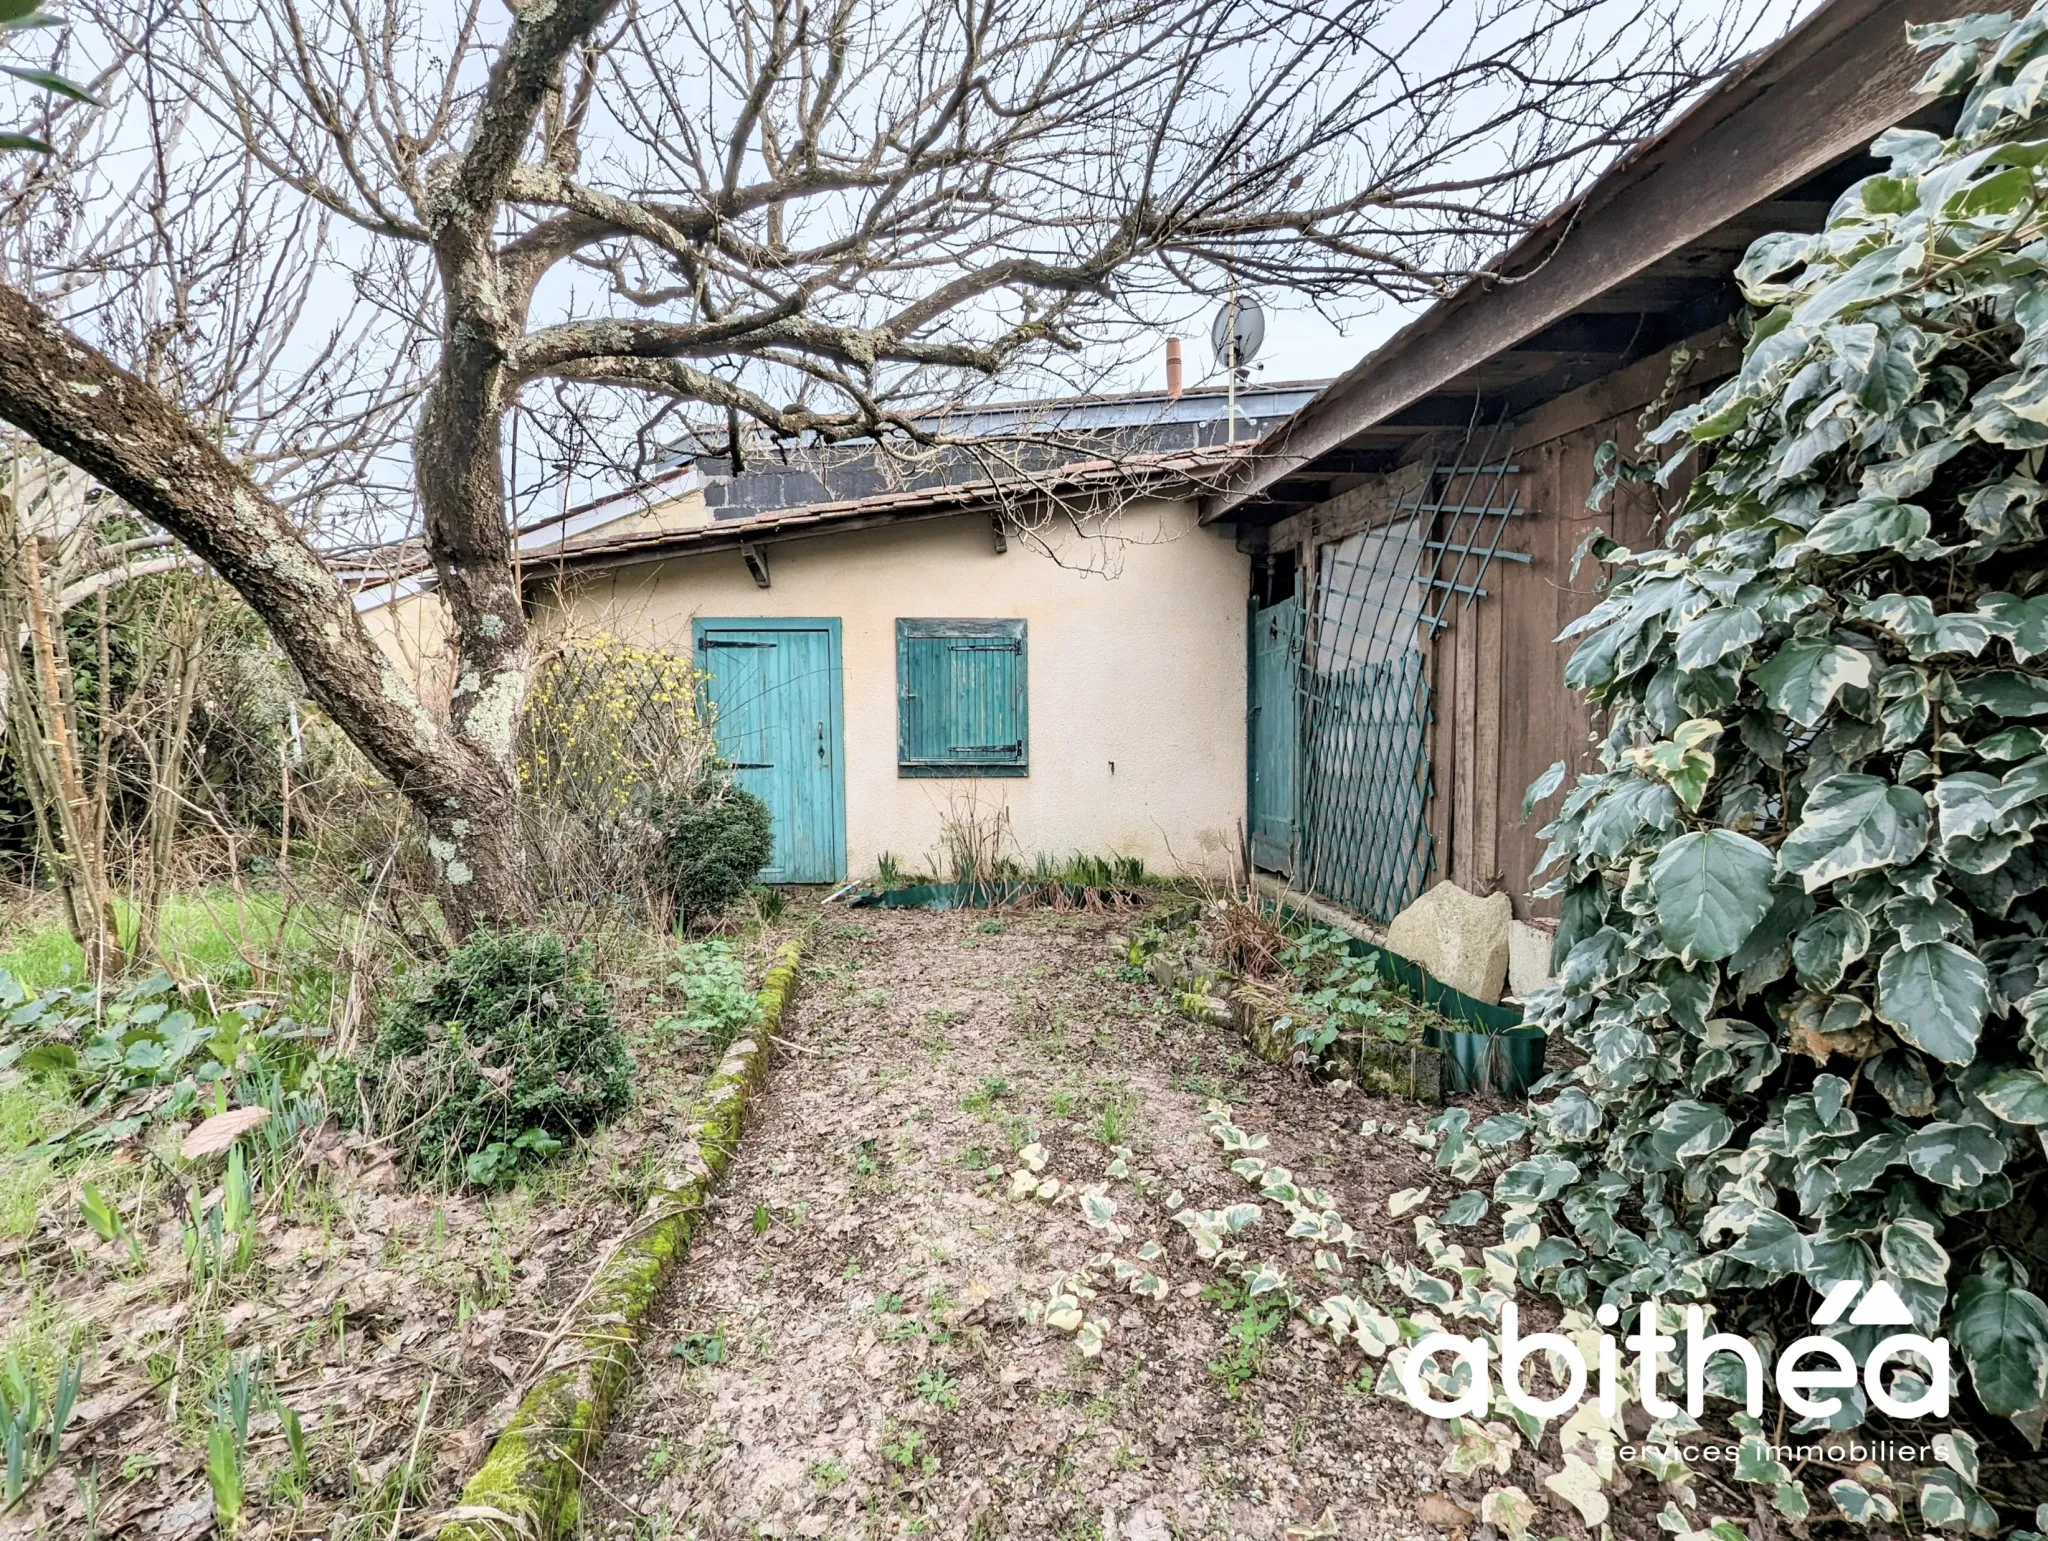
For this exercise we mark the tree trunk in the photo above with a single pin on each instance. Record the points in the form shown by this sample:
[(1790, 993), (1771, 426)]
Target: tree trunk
[(79, 404)]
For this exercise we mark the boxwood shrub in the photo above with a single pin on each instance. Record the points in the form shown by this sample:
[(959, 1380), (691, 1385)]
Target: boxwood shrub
[(497, 1059)]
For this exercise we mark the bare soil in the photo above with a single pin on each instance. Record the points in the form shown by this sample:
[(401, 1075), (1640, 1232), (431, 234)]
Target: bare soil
[(855, 1347)]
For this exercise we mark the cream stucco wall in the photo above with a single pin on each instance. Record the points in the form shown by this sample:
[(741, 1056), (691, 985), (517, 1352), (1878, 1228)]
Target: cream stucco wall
[(1136, 681), (414, 633)]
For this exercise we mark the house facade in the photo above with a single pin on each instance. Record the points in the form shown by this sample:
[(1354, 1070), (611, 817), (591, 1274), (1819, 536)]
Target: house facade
[(1040, 664), (915, 684), (1417, 531)]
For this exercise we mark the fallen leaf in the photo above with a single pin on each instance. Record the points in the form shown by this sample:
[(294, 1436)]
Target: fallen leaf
[(217, 1133), (1440, 1511), (1579, 1485)]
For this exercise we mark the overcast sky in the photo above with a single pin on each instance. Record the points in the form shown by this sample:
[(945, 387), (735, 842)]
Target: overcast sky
[(1302, 344)]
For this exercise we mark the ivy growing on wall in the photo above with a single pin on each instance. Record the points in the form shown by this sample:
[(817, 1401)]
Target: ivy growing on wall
[(1804, 945)]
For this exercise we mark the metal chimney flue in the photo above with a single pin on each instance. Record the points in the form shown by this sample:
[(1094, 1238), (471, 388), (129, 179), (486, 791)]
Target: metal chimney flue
[(1173, 369)]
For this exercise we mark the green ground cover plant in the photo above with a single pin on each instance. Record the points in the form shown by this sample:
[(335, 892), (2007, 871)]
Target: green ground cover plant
[(1804, 895)]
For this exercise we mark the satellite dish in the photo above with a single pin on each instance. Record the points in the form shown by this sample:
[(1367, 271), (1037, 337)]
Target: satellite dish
[(1236, 345)]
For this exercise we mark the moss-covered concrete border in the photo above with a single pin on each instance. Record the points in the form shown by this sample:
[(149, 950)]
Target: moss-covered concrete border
[(530, 1483)]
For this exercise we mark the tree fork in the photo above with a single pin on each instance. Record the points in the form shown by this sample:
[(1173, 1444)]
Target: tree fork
[(116, 427)]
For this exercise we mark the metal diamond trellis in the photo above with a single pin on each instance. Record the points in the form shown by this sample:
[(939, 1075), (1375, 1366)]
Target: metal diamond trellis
[(1380, 598)]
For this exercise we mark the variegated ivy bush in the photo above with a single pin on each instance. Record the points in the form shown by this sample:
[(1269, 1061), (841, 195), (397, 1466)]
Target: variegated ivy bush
[(1805, 900)]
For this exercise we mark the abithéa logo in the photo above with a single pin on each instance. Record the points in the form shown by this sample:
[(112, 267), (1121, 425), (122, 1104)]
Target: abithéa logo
[(1806, 1371)]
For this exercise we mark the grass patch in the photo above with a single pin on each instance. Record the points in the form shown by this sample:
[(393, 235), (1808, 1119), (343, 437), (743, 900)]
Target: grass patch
[(28, 1116), (235, 943)]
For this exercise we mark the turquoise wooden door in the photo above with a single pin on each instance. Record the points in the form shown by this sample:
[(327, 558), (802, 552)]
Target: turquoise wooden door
[(1273, 734), (773, 687)]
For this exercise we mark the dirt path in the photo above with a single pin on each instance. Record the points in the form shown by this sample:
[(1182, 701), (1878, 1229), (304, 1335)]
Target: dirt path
[(855, 1349)]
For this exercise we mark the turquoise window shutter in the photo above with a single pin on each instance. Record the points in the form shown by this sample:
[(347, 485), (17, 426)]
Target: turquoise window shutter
[(961, 698)]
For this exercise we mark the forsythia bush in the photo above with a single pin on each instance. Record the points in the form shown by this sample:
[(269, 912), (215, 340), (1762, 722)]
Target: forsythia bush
[(1805, 935)]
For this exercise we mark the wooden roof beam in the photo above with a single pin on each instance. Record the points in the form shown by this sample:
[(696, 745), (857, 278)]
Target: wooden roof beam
[(1836, 81)]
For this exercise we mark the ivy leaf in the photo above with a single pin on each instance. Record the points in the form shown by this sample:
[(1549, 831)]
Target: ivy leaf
[(1468, 1208), (1935, 998), (1687, 1130), (1827, 945), (1712, 888), (2022, 622), (1893, 381), (1956, 1156), (1852, 823), (2017, 1096), (2006, 693), (1868, 524), (1859, 1505), (1713, 634), (1802, 679), (2002, 1331), (1542, 787), (1910, 1250), (1774, 1244), (1501, 1129), (1535, 1181)]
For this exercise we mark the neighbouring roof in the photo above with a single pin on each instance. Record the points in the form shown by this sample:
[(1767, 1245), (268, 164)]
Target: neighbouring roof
[(1641, 259), (1180, 473)]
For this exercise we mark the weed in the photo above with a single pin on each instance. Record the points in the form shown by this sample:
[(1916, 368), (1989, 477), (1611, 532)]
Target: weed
[(227, 1443), (908, 1451), (829, 1473), (986, 1095), (763, 1218), (657, 1461), (867, 1161), (718, 1005), (1113, 1120), (700, 1348), (938, 1388), (1255, 1323), (990, 927), (875, 998), (1063, 1103), (32, 1427)]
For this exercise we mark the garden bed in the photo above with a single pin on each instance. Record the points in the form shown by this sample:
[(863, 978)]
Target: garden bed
[(864, 1351), (371, 1335)]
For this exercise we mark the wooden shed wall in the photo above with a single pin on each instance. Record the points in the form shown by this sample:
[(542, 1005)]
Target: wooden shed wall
[(1500, 711)]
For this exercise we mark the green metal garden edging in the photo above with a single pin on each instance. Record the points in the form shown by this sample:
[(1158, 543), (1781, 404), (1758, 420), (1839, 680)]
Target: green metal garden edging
[(1509, 1062), (968, 896), (530, 1484), (1455, 1004)]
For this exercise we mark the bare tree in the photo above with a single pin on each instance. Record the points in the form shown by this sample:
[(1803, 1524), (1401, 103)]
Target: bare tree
[(822, 219)]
